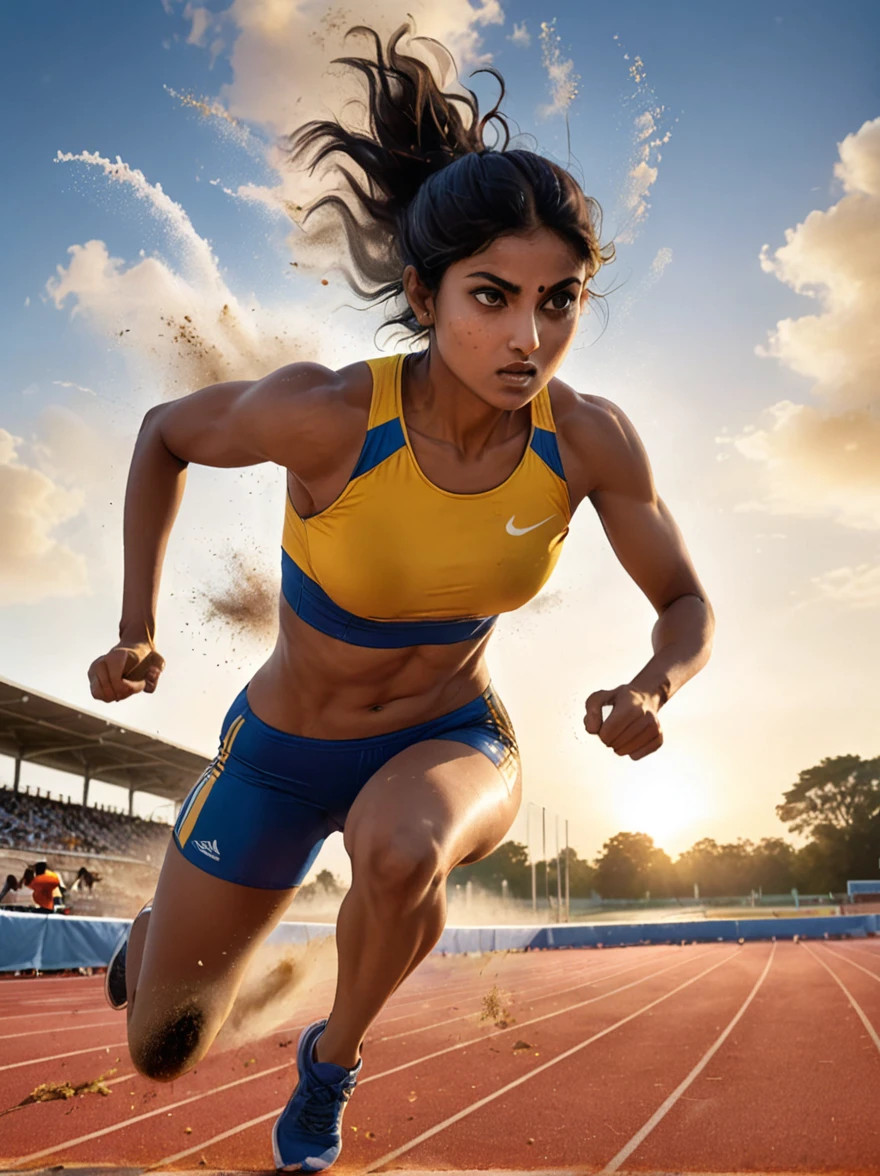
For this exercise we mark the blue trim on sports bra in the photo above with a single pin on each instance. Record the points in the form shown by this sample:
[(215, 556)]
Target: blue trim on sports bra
[(312, 604), (380, 442), (545, 445)]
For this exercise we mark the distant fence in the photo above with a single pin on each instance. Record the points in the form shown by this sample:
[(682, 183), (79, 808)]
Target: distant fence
[(57, 942)]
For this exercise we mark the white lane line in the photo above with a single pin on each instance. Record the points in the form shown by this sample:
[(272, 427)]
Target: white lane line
[(459, 992), (374, 1077), (861, 949), (48, 980), (872, 1032), (46, 1032), (165, 1109), (214, 1139), (666, 1106), (437, 1128), (852, 963), (538, 996), (71, 998), (847, 956), (437, 1053), (70, 1054), (530, 990), (101, 1008)]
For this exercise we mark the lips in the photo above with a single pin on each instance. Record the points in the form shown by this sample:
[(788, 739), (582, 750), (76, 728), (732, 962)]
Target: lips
[(518, 369)]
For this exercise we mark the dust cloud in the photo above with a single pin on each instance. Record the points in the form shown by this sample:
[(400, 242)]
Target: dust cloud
[(249, 603), (281, 980)]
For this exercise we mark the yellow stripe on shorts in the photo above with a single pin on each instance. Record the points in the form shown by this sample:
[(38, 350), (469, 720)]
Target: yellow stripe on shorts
[(204, 789)]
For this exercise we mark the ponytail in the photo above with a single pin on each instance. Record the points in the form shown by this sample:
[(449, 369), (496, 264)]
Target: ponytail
[(428, 190)]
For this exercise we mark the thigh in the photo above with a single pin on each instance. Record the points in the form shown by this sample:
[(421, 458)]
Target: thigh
[(439, 801)]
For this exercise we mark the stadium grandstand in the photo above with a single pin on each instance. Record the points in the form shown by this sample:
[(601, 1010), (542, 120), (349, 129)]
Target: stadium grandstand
[(122, 850)]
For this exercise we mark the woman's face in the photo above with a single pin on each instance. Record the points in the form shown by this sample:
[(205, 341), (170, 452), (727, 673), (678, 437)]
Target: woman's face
[(503, 319)]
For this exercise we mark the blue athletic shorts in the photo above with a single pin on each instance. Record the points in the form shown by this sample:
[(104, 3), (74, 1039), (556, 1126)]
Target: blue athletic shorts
[(260, 812)]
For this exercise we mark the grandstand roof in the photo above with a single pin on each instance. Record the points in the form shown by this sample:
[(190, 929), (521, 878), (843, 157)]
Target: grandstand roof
[(43, 730)]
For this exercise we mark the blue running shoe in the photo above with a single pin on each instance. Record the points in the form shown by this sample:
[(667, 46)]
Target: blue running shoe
[(114, 978), (307, 1135)]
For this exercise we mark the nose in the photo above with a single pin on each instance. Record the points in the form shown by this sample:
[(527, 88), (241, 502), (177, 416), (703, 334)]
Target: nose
[(524, 336)]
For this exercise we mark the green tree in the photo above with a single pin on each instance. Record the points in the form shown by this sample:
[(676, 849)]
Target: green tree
[(581, 875), (773, 866), (841, 793), (837, 803), (718, 869), (325, 885), (630, 865), (510, 860)]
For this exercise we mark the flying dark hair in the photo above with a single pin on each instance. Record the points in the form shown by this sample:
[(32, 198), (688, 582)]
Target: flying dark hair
[(427, 190)]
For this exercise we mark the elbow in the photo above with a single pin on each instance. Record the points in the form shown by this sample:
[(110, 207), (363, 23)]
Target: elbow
[(151, 428)]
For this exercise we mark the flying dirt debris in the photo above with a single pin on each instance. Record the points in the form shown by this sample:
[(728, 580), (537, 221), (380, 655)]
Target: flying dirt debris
[(51, 1091)]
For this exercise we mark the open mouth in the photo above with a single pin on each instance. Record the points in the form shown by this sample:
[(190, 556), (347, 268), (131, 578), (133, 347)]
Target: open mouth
[(521, 371)]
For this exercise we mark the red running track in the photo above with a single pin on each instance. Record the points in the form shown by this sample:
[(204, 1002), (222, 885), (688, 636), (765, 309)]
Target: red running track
[(712, 1058)]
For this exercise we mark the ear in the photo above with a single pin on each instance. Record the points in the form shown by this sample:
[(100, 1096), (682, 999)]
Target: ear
[(419, 297)]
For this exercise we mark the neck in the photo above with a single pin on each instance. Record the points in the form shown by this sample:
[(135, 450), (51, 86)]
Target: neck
[(441, 407)]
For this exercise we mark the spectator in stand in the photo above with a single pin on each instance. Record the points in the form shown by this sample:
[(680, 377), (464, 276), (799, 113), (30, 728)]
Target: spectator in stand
[(44, 883), (11, 883), (85, 880)]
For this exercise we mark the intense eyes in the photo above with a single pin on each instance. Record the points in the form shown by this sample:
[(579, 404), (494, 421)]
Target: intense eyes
[(558, 303)]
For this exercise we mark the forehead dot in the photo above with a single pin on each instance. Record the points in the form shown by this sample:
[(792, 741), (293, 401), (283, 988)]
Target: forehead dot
[(540, 289)]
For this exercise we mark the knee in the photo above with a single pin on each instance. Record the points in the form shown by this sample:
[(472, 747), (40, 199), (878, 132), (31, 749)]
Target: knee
[(170, 1045), (401, 866)]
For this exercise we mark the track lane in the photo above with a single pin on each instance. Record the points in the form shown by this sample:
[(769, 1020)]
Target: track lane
[(139, 1148), (791, 1088), (502, 1110), (384, 1099), (103, 1115)]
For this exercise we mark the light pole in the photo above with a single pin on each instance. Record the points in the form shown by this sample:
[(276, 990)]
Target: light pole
[(567, 888), (544, 855), (529, 808)]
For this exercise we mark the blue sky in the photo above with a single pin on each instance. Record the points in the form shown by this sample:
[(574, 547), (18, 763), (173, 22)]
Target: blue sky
[(755, 98)]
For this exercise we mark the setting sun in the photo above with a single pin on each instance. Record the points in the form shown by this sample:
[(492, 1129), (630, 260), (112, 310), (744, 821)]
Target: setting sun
[(669, 799)]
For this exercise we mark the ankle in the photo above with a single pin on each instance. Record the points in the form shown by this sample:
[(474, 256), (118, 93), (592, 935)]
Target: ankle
[(338, 1056)]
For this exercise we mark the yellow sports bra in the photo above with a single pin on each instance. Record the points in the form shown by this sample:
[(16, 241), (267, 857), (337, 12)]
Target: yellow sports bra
[(396, 561)]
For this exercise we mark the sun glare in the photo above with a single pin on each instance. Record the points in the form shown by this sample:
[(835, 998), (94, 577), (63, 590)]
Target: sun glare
[(669, 799)]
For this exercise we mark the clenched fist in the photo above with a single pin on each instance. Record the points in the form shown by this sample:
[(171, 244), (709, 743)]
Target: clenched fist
[(129, 668), (632, 728)]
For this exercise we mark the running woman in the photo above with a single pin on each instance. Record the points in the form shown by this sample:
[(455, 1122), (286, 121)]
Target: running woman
[(427, 493)]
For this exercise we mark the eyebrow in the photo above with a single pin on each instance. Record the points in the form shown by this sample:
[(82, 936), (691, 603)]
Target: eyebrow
[(514, 289)]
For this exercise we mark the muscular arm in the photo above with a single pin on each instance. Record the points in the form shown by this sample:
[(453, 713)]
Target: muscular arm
[(292, 418), (611, 467), (649, 545)]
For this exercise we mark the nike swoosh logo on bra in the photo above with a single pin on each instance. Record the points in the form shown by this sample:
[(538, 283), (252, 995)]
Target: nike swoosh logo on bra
[(512, 530)]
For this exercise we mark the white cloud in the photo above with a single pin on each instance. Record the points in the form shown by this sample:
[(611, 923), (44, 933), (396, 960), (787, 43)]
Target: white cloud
[(520, 36), (662, 259), (36, 565), (282, 76), (201, 20), (71, 384), (818, 464), (644, 167), (282, 50), (560, 72), (187, 329), (825, 460), (855, 588)]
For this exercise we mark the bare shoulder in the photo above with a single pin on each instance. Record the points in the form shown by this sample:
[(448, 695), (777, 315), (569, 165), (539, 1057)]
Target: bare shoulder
[(316, 413), (599, 445), (310, 389)]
